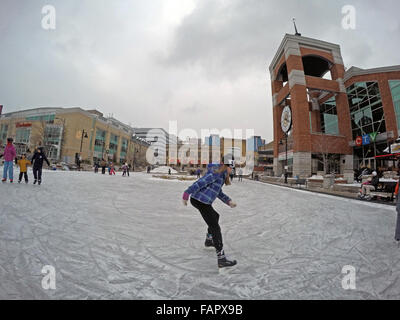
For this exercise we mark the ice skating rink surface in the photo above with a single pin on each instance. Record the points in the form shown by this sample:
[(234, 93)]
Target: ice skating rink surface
[(131, 238)]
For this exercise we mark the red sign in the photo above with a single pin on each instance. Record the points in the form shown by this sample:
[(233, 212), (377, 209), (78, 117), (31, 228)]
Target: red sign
[(23, 125), (359, 141)]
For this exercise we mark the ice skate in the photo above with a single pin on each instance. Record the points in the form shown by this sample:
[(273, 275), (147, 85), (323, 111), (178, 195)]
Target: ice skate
[(224, 263), (34, 182), (11, 181), (209, 243), (39, 182), (3, 180)]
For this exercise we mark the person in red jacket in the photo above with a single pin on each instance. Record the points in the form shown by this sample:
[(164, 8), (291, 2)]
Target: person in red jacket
[(9, 156)]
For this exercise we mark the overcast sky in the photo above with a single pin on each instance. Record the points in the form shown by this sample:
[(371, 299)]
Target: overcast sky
[(203, 63)]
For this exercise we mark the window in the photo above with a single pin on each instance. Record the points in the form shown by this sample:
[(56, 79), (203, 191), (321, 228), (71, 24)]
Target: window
[(100, 141), (366, 109), (113, 146), (23, 135), (395, 88), (329, 118)]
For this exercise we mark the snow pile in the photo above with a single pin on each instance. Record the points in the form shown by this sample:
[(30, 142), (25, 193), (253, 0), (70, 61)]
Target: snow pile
[(164, 170), (317, 178)]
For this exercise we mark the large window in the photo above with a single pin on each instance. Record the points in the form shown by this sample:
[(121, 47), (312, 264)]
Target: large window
[(329, 118), (53, 140), (124, 150), (395, 88), (366, 109), (23, 135), (113, 144), (3, 133), (99, 142)]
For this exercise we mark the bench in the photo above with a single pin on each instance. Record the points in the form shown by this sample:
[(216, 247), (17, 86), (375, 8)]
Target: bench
[(298, 182)]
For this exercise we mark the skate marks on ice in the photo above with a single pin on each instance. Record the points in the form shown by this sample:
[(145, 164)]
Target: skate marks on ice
[(114, 238)]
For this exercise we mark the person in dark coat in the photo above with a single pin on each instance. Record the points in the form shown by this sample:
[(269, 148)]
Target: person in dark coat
[(397, 234), (37, 164)]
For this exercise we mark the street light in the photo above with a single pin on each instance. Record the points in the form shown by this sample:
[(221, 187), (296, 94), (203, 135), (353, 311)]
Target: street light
[(84, 135), (286, 161)]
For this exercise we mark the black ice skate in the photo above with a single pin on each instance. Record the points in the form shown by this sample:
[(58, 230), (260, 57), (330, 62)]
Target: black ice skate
[(39, 182), (209, 243), (34, 182), (223, 262)]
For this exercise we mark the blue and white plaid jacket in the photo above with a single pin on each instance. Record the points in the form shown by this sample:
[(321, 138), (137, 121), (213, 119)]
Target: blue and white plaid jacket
[(209, 187)]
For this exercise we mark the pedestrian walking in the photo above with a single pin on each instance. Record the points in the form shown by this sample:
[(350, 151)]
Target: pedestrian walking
[(9, 155), (202, 194), (241, 174)]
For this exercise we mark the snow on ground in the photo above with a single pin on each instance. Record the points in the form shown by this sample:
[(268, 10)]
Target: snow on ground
[(164, 170), (111, 237)]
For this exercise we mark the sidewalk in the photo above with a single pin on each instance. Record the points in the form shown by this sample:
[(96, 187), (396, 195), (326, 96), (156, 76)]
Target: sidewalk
[(341, 194)]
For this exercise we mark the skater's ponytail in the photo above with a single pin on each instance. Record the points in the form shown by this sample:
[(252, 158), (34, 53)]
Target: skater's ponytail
[(222, 169)]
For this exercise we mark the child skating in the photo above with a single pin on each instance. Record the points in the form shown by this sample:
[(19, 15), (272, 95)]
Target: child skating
[(23, 168), (9, 156), (202, 194), (37, 161)]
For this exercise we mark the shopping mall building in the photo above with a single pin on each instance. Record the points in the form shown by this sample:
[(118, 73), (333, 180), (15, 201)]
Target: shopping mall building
[(327, 118), (69, 133)]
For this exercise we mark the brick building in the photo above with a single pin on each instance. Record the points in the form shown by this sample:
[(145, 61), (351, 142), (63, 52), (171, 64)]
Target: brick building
[(325, 109)]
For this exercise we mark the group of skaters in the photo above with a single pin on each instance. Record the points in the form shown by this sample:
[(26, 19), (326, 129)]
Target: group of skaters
[(36, 160), (111, 168)]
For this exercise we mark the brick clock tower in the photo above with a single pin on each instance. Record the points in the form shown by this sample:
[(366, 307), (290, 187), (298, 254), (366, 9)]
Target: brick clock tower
[(310, 104)]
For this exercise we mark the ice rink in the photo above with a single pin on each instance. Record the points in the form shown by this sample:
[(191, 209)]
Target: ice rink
[(131, 238)]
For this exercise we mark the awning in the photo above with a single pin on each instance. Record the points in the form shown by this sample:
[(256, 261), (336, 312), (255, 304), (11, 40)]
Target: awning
[(392, 156)]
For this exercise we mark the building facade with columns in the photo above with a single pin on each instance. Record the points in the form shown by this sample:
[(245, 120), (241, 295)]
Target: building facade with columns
[(68, 133), (321, 110)]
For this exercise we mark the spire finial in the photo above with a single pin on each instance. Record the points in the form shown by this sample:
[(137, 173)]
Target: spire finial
[(295, 27)]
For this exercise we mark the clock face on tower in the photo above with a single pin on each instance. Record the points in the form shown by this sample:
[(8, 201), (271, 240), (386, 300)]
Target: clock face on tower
[(286, 120)]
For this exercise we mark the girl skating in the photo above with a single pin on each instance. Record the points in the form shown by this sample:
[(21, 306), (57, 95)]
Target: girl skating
[(9, 156), (202, 194)]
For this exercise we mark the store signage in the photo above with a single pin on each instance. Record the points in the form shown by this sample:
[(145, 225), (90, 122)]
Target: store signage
[(366, 139), (373, 136), (359, 141), (23, 124)]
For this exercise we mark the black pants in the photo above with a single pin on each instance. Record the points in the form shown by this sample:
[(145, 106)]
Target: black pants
[(211, 217), (23, 174), (37, 173), (103, 170)]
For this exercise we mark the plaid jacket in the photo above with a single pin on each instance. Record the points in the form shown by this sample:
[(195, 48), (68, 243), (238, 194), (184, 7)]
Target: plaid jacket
[(209, 187)]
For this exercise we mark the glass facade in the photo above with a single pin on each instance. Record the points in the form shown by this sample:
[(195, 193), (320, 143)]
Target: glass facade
[(100, 141), (395, 89), (113, 144), (47, 118), (52, 141), (3, 133), (329, 117), (23, 135), (366, 109), (124, 150)]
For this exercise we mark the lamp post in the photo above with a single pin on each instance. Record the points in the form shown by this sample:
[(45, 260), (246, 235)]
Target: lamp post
[(286, 157), (84, 135)]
